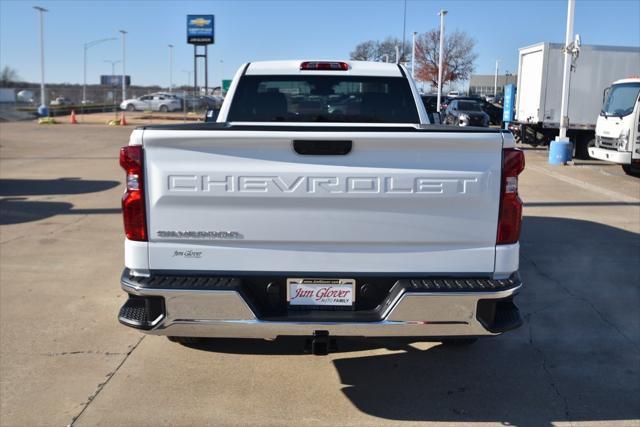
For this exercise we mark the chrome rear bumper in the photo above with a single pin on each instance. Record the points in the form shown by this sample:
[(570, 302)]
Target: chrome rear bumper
[(225, 313)]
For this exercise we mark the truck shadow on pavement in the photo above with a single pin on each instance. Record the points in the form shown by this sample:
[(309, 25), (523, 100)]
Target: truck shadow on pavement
[(15, 208), (575, 358), (42, 187)]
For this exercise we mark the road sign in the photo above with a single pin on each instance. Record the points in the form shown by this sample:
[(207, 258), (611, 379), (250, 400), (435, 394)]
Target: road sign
[(225, 85), (200, 29)]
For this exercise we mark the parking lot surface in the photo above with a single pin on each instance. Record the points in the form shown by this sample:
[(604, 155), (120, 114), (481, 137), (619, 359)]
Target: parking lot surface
[(65, 359)]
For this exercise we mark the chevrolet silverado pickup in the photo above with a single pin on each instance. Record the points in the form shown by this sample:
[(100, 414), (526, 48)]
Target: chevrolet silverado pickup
[(321, 203)]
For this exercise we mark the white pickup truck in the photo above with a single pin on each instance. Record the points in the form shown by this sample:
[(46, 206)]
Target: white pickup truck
[(321, 203)]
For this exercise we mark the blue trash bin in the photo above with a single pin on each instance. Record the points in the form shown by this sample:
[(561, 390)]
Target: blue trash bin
[(560, 152)]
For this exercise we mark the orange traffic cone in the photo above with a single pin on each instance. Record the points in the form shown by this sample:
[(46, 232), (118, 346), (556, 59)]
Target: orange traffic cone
[(73, 120), (123, 121)]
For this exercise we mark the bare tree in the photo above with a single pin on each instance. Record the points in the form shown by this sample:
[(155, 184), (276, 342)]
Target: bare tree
[(8, 75), (457, 62), (365, 51), (385, 50)]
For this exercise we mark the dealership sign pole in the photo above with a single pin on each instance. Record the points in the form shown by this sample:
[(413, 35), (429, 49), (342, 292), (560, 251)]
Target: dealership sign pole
[(200, 32)]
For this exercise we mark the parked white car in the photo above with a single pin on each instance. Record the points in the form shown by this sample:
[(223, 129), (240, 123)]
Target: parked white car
[(151, 102)]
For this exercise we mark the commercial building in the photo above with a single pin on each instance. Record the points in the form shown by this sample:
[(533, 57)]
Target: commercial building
[(483, 84)]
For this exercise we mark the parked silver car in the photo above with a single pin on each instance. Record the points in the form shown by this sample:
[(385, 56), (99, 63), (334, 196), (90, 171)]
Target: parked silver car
[(151, 102)]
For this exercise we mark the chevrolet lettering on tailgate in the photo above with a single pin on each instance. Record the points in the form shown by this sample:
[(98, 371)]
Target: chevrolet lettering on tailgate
[(213, 184)]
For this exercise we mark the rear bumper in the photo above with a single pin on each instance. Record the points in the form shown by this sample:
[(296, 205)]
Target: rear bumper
[(217, 307), (614, 156)]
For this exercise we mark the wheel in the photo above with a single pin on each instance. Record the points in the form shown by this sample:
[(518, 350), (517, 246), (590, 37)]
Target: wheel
[(186, 340), (164, 108), (131, 107), (631, 170), (458, 342), (581, 148)]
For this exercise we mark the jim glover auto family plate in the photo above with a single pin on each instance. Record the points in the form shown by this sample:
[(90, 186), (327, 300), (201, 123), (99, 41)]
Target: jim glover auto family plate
[(321, 292)]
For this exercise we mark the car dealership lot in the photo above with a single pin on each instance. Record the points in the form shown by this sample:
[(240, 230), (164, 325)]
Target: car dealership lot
[(65, 358)]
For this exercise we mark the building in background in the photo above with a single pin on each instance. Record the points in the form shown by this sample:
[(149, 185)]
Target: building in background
[(483, 84)]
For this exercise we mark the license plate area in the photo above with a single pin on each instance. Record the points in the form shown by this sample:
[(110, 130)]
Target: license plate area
[(321, 294)]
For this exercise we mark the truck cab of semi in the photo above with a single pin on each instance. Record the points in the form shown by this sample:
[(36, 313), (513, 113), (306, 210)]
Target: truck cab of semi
[(618, 126)]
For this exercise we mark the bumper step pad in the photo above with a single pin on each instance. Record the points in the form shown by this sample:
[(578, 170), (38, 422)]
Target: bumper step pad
[(142, 312)]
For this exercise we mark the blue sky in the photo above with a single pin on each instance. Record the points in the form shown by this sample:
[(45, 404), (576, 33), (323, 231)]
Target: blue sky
[(258, 30)]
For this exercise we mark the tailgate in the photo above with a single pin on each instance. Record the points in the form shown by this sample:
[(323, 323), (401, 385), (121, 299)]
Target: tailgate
[(401, 202)]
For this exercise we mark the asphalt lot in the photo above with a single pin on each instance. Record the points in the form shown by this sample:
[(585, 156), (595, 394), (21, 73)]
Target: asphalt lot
[(65, 359)]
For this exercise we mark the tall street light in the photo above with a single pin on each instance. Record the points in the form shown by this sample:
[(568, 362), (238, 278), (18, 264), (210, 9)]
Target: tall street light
[(561, 149), (440, 57), (413, 56), (495, 80), (170, 68), (123, 34), (84, 60), (42, 110)]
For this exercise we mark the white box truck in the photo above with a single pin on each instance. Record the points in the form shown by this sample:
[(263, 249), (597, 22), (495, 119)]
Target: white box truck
[(618, 128), (540, 90)]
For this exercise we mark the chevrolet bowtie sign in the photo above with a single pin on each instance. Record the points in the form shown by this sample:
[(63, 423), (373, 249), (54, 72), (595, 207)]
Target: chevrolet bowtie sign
[(200, 29)]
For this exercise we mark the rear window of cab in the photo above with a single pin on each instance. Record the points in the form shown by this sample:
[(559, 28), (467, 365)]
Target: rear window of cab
[(322, 98)]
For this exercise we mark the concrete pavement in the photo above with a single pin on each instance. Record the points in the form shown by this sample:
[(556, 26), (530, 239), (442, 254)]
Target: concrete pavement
[(64, 358)]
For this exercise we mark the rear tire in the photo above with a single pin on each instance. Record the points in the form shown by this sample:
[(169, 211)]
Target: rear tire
[(164, 108), (458, 342), (581, 148)]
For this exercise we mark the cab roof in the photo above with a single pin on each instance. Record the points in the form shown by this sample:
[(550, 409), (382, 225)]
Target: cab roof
[(356, 68)]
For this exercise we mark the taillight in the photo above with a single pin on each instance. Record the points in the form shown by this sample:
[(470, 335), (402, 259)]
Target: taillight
[(510, 217), (324, 66), (133, 211)]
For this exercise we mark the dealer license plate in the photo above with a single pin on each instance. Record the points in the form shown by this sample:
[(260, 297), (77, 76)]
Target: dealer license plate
[(321, 292)]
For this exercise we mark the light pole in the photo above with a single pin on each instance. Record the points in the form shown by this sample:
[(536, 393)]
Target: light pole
[(564, 114), (221, 73), (413, 56), (170, 68), (495, 80), (440, 57), (560, 150), (42, 110), (123, 34), (84, 65)]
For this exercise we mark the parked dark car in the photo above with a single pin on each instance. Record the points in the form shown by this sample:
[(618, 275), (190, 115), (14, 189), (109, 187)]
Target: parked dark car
[(494, 112), (465, 112)]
